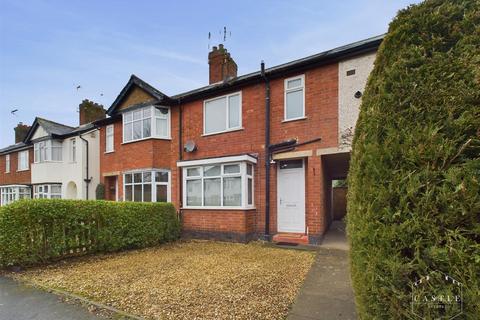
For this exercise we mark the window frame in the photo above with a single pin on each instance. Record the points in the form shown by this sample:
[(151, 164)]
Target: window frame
[(73, 150), (46, 147), (110, 135), (242, 174), (153, 184), (12, 193), (27, 160), (227, 117), (46, 194), (287, 90), (7, 163), (153, 123)]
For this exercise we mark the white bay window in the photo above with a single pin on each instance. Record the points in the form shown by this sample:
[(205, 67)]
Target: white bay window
[(218, 185), (47, 191), (9, 194), (146, 122), (222, 114), (49, 150)]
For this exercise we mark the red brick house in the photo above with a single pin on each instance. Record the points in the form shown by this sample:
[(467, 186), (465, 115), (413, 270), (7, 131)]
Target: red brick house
[(15, 168), (245, 157)]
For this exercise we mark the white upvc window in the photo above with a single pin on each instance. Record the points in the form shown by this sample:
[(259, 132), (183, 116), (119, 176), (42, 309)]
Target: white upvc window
[(7, 163), (218, 186), (23, 160), (49, 150), (109, 132), (147, 186), (9, 194), (73, 150), (147, 122), (222, 114), (294, 98), (47, 191)]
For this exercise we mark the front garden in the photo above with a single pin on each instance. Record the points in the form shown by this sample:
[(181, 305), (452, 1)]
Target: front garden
[(128, 256)]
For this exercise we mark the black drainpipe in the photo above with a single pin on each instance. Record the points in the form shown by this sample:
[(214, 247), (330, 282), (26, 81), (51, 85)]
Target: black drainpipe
[(87, 179), (180, 157), (267, 152)]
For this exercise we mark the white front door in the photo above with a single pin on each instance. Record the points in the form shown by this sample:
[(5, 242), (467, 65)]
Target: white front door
[(291, 196)]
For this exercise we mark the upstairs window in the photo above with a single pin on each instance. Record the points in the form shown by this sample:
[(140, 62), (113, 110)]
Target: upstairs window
[(147, 122), (73, 150), (295, 98), (222, 114), (23, 160), (109, 138), (7, 163), (45, 151)]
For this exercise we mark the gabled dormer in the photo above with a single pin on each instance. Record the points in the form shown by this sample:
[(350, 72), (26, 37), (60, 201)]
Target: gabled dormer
[(144, 110)]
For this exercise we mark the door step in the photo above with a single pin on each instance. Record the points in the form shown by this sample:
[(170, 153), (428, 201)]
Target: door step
[(290, 238)]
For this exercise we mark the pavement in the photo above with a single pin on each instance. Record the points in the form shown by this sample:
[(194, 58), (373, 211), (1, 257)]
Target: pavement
[(21, 302), (327, 291)]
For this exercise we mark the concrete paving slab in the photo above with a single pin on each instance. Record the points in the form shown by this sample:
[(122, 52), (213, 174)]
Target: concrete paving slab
[(327, 292), (18, 301)]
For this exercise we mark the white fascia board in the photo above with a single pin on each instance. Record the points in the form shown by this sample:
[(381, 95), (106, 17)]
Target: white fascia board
[(200, 162)]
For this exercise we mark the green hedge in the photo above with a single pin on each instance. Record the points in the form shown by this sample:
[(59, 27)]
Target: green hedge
[(414, 194), (39, 231)]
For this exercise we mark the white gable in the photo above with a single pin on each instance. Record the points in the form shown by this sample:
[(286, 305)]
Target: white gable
[(39, 133)]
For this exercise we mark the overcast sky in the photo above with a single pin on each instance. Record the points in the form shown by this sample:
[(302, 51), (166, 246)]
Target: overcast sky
[(48, 48)]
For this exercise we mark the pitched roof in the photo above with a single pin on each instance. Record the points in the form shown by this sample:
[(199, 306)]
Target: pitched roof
[(352, 49), (14, 147), (136, 81), (57, 130)]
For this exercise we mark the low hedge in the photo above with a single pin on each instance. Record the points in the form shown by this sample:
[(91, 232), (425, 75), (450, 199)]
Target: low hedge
[(414, 180), (43, 230)]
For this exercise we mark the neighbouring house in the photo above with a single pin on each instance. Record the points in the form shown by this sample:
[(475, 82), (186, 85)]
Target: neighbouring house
[(15, 168), (63, 161), (245, 157)]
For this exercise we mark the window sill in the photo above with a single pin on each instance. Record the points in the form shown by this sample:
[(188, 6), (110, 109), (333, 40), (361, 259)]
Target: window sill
[(23, 170), (220, 208), (294, 119), (226, 131), (144, 139), (107, 152)]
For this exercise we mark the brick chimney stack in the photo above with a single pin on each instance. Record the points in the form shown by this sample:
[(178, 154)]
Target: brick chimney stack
[(90, 111), (222, 65), (21, 131)]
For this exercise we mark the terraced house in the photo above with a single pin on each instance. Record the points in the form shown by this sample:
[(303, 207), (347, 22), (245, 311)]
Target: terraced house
[(245, 157), (52, 160)]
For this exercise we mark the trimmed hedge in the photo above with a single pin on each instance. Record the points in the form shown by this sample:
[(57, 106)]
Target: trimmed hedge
[(42, 230), (414, 193)]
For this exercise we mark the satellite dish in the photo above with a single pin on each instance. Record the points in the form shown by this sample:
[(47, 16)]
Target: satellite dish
[(190, 146)]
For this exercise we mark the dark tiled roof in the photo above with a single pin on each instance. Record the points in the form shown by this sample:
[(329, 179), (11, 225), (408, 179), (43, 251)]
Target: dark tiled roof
[(345, 51), (54, 127), (15, 147)]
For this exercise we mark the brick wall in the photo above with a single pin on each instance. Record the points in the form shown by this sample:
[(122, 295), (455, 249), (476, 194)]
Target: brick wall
[(14, 176), (321, 109)]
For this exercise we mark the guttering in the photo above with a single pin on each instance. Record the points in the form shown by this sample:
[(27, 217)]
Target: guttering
[(267, 151), (87, 179), (227, 159)]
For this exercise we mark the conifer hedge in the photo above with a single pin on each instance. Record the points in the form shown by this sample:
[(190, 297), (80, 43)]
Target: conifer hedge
[(44, 230), (414, 194)]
